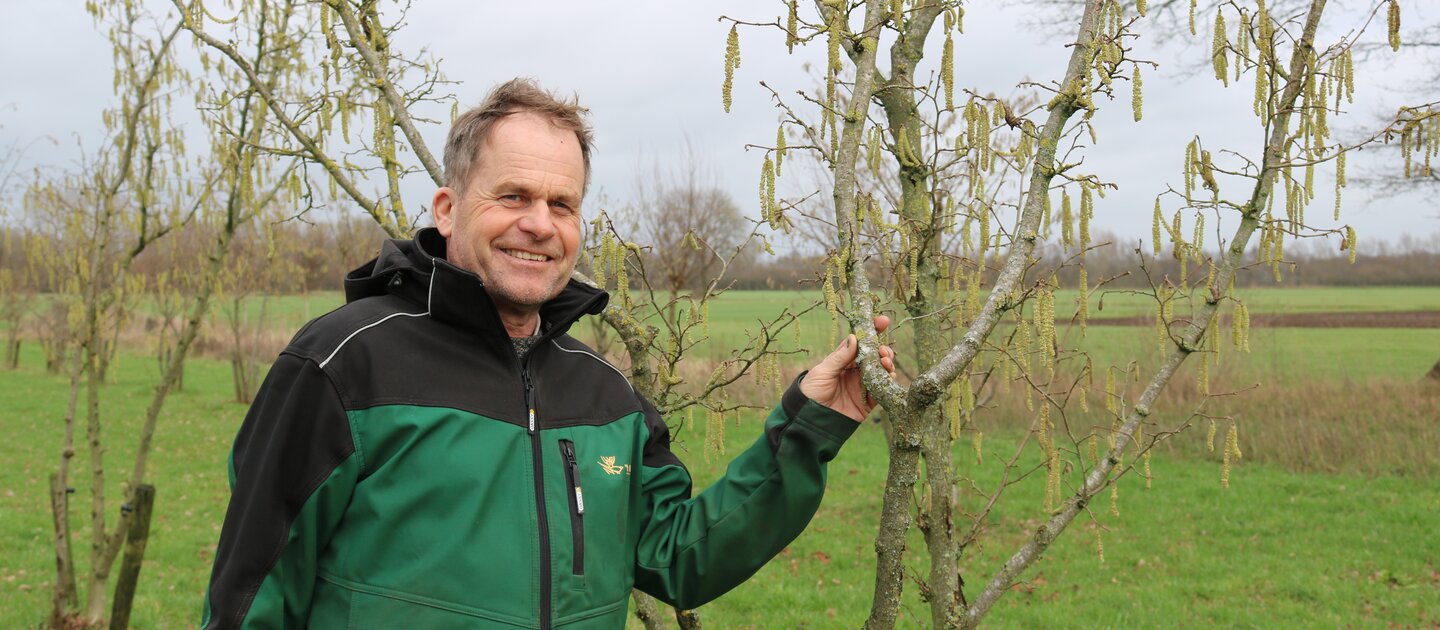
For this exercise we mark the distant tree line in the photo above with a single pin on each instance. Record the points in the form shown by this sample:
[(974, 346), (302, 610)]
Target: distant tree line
[(322, 251)]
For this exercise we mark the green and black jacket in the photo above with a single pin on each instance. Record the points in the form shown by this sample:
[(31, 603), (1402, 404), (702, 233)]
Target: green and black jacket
[(401, 467)]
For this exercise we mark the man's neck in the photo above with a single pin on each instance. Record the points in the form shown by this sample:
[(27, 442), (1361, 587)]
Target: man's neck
[(519, 325)]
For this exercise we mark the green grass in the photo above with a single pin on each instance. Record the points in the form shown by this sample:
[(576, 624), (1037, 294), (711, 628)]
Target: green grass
[(1284, 355), (1126, 302), (1278, 355), (187, 467), (1278, 548), (736, 313)]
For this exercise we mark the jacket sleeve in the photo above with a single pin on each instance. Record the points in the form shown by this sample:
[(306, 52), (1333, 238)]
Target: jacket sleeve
[(692, 550), (292, 470)]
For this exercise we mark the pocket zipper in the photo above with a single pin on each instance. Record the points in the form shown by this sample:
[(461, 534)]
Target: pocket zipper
[(577, 504)]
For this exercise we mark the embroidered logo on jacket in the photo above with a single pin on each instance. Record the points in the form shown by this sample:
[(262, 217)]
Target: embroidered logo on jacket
[(607, 464)]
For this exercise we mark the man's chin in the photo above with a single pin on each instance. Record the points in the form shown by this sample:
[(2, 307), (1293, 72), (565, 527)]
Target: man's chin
[(522, 300)]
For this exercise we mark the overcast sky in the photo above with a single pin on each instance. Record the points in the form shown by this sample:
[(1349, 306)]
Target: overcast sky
[(651, 72)]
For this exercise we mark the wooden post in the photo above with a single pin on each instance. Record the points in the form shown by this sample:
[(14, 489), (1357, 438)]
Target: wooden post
[(135, 541)]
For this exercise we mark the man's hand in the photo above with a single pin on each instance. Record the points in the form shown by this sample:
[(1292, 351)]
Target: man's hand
[(835, 381)]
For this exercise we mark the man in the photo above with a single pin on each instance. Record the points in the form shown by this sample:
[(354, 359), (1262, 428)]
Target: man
[(438, 453)]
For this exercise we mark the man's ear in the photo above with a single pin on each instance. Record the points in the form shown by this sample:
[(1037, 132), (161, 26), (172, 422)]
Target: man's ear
[(443, 207)]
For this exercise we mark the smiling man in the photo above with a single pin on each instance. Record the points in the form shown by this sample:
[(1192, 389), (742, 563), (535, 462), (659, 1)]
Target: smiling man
[(438, 453)]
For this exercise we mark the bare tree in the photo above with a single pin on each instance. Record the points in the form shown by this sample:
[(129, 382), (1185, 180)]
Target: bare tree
[(686, 221)]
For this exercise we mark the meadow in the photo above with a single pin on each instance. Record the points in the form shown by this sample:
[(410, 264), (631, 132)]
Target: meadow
[(1329, 520)]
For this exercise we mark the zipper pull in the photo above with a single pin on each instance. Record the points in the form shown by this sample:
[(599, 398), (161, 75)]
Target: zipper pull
[(529, 397), (568, 448)]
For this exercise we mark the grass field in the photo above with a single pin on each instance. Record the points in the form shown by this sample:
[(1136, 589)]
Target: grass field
[(1279, 548)]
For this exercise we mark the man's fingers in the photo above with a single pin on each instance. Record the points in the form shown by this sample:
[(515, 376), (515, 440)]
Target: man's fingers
[(881, 323), (843, 355)]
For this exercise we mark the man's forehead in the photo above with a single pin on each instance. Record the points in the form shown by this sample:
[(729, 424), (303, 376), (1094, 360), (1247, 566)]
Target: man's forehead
[(527, 136)]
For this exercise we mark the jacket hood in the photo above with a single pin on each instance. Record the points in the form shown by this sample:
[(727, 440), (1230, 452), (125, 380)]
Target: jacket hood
[(417, 271)]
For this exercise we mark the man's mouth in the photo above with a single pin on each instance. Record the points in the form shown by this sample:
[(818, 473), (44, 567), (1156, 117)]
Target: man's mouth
[(524, 255)]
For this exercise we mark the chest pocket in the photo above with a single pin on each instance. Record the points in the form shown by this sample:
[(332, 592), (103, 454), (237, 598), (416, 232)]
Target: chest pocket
[(595, 499)]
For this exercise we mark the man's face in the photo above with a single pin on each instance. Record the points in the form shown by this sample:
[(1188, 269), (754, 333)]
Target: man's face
[(517, 225)]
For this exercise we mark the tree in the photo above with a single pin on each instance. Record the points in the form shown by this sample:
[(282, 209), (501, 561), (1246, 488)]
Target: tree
[(108, 215), (135, 192), (18, 271), (687, 222), (951, 183)]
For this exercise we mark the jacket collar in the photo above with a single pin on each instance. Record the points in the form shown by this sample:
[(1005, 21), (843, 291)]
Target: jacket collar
[(417, 271)]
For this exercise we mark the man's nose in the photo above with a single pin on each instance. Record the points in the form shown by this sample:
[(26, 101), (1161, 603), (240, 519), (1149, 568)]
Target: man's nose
[(538, 221)]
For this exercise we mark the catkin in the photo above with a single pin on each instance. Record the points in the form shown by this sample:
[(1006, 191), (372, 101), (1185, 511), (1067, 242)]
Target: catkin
[(732, 61), (779, 148), (1339, 181), (768, 204), (1219, 49), (714, 434), (1199, 238), (792, 23), (1393, 22), (972, 296), (1241, 324), (984, 230), (1067, 220), (947, 71), (1231, 453), (1136, 96), (1155, 224), (1202, 376)]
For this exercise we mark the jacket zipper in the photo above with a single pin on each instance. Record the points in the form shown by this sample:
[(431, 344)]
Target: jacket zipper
[(540, 516), (577, 504)]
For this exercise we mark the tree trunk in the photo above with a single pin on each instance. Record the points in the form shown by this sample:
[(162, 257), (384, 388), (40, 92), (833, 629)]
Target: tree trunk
[(12, 348), (100, 560), (64, 599), (647, 610), (895, 520), (137, 536)]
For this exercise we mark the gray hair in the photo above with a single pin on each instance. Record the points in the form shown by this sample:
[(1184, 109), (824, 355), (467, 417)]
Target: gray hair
[(469, 131)]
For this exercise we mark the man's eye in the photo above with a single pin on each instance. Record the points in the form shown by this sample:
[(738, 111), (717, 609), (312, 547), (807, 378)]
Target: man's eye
[(513, 201), (561, 208)]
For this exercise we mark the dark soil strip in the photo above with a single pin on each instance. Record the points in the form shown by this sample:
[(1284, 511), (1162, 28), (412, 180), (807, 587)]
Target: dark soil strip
[(1349, 319)]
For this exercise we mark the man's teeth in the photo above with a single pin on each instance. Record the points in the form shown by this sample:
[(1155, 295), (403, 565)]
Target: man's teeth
[(527, 255)]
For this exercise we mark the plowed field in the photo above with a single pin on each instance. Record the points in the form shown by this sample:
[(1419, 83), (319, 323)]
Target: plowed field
[(1346, 319)]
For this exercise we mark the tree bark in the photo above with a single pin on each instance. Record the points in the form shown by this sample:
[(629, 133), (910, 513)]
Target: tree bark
[(64, 599), (138, 535)]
